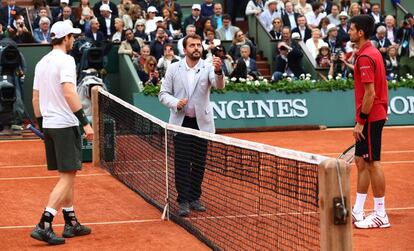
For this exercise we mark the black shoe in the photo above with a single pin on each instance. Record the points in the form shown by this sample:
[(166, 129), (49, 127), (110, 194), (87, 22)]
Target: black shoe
[(184, 209), (197, 206), (77, 230), (46, 235)]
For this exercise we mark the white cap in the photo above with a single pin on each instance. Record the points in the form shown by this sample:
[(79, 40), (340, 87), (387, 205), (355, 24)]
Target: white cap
[(330, 27), (105, 7), (63, 28), (270, 2), (322, 45), (295, 35), (158, 19), (343, 14), (152, 9), (64, 1), (196, 6)]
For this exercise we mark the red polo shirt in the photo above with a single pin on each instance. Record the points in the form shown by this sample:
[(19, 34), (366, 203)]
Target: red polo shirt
[(369, 68)]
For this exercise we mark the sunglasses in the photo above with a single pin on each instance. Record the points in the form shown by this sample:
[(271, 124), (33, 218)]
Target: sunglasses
[(151, 64), (140, 25)]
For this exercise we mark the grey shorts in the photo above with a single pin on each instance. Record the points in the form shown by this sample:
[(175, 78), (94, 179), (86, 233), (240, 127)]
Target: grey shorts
[(63, 148)]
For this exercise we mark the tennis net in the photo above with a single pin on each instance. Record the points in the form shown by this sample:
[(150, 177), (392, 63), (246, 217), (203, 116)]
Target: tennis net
[(258, 197)]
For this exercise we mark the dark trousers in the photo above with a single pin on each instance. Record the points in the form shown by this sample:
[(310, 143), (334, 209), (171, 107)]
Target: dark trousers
[(189, 160)]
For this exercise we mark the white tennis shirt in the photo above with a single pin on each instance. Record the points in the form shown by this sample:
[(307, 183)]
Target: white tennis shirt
[(51, 71)]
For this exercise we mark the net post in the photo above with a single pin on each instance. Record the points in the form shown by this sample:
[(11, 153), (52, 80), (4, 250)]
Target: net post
[(334, 237), (96, 154)]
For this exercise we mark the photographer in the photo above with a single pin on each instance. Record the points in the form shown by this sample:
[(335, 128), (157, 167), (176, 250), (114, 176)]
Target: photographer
[(288, 61), (406, 50), (21, 34), (342, 63), (226, 60)]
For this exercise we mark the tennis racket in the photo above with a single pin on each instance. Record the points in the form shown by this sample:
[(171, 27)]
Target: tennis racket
[(35, 131), (348, 155)]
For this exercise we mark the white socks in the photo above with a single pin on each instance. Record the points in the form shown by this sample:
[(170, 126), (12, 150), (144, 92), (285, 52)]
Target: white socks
[(359, 203), (68, 209), (379, 206), (51, 210)]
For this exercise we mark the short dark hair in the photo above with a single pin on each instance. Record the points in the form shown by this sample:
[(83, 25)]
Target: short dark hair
[(365, 23), (58, 41), (226, 16), (195, 36), (315, 6)]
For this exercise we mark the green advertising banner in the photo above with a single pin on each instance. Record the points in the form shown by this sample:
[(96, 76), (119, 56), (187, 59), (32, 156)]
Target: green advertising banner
[(249, 110)]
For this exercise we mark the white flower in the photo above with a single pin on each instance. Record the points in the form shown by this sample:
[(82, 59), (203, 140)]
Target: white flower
[(404, 80), (233, 79), (260, 77), (313, 81), (394, 81), (350, 75), (242, 80), (226, 78), (308, 75), (392, 75), (265, 80), (256, 83), (302, 76), (409, 76), (292, 75), (329, 77), (289, 79), (248, 82), (284, 74), (307, 78), (338, 77)]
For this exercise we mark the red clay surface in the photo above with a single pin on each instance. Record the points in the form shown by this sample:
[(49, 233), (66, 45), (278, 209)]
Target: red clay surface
[(121, 220)]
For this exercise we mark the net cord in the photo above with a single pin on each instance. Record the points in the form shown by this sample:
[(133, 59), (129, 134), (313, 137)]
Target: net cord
[(165, 213)]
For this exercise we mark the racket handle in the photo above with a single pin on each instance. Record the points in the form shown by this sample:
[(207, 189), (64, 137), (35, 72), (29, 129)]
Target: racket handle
[(35, 131)]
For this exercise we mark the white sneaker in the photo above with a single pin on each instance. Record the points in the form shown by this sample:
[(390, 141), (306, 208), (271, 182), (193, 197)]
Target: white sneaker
[(356, 217), (373, 221)]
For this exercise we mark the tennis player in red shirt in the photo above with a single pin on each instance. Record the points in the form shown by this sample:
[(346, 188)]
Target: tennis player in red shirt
[(371, 103)]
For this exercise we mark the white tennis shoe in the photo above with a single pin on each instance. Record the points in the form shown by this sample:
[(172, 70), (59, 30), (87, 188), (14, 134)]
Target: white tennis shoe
[(373, 221), (356, 217)]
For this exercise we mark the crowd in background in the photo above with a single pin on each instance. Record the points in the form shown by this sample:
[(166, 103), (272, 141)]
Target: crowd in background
[(148, 30)]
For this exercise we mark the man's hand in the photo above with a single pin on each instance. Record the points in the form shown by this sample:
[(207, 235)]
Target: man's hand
[(358, 132), (216, 63), (88, 132), (181, 104)]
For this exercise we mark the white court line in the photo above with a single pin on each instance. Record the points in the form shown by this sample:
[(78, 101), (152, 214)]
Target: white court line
[(351, 128), (52, 177), (382, 152), (90, 223), (22, 166)]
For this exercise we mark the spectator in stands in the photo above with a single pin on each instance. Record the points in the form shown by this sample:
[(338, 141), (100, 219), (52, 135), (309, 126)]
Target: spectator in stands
[(207, 8), (34, 12), (375, 12), (140, 30), (239, 71), (226, 60), (172, 23), (276, 31), (391, 29), (327, 6), (2, 33), (106, 21), (131, 45), (83, 6), (323, 27), (341, 63), (140, 62), (174, 8), (334, 15), (195, 19), (159, 22), (255, 7), (21, 34), (239, 40), (314, 43), (43, 12), (118, 35), (381, 41), (189, 30), (149, 75), (324, 56), (251, 66), (406, 50), (365, 6), (42, 34), (288, 61), (227, 31), (209, 44), (166, 59), (289, 17), (217, 18), (58, 12), (112, 7), (314, 18), (269, 14), (145, 4), (345, 5), (9, 13), (303, 7), (343, 27), (66, 15), (150, 24), (206, 24), (332, 38), (96, 36), (302, 29), (124, 9), (392, 66), (85, 21), (157, 45), (354, 10)]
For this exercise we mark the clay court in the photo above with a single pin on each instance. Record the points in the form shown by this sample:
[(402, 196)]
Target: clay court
[(121, 220)]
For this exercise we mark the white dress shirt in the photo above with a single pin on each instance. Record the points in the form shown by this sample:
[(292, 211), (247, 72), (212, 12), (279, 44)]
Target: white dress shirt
[(191, 73)]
